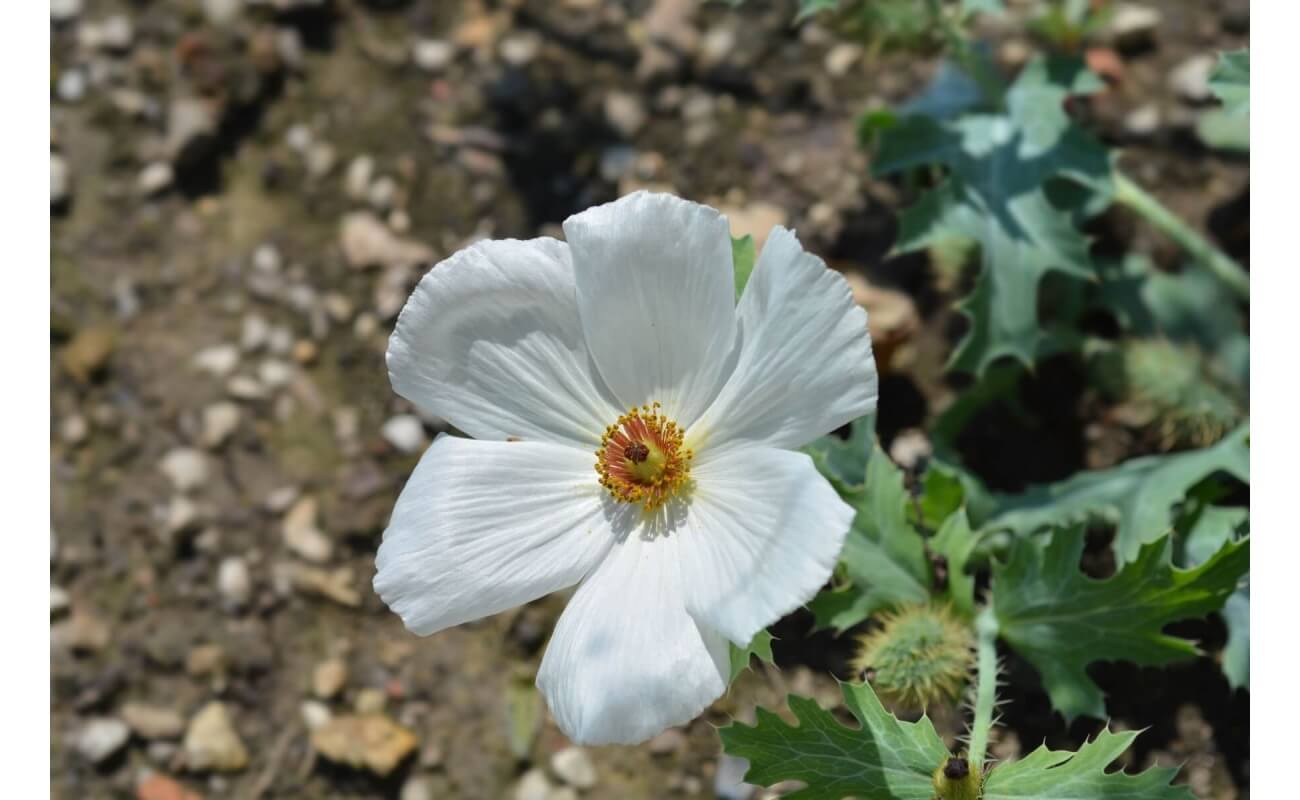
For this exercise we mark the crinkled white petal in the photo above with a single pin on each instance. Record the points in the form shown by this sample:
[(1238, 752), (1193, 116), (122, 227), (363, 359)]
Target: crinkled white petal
[(626, 660), (485, 526), (657, 297), (761, 535), (490, 340), (805, 365)]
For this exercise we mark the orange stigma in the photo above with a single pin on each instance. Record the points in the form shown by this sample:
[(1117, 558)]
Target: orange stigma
[(641, 458)]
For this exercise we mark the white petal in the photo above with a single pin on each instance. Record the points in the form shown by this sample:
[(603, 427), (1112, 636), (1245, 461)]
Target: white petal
[(490, 341), (626, 661), (657, 298), (805, 366), (762, 533), (485, 526)]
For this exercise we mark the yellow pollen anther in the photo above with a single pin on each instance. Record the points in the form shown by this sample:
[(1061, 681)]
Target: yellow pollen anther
[(641, 458)]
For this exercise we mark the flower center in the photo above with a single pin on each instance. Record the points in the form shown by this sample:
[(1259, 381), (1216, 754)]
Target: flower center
[(641, 458)]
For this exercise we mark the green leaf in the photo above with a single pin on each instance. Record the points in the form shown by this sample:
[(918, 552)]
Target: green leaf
[(1062, 621), (998, 168), (955, 542), (1064, 775), (941, 496), (884, 759), (1210, 528), (811, 8), (1137, 496), (1220, 129), (844, 461), (884, 555), (1230, 81), (760, 646), (742, 259), (1235, 659), (982, 6)]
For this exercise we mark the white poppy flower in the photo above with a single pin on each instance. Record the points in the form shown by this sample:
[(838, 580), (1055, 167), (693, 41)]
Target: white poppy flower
[(632, 427)]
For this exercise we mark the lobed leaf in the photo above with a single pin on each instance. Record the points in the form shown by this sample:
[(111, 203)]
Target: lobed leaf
[(999, 166), (1064, 775), (885, 758), (760, 646), (884, 555), (1137, 496), (1061, 621)]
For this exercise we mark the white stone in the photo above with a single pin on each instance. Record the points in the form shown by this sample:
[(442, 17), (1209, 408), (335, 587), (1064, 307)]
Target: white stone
[(1191, 79), (58, 600), (1133, 24), (357, 180), (101, 738), (64, 10), (625, 113), (841, 58), (219, 360), (185, 467), (220, 421), (405, 432), (315, 714), (574, 766), (60, 179), (301, 533), (432, 55), (154, 179), (234, 581), (532, 786), (266, 258)]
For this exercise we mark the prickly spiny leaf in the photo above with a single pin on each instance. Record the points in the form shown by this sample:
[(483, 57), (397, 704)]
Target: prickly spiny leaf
[(1064, 775), (885, 758), (1061, 620), (998, 167), (1137, 496)]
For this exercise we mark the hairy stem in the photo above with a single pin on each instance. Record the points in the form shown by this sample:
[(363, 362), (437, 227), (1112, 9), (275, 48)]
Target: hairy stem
[(1129, 193), (986, 686)]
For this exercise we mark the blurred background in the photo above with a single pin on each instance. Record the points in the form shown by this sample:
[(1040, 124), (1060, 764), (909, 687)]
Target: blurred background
[(243, 193)]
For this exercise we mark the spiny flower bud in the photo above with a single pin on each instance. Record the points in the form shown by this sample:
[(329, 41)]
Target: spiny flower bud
[(1183, 402), (957, 778), (920, 654)]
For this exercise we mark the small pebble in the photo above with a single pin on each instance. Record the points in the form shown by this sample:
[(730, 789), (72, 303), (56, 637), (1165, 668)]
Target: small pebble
[(329, 678), (433, 55), (186, 468), (154, 179), (220, 421), (153, 722), (573, 765), (405, 432), (102, 738), (234, 582)]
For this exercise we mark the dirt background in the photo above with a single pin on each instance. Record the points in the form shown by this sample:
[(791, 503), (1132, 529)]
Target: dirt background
[(243, 194)]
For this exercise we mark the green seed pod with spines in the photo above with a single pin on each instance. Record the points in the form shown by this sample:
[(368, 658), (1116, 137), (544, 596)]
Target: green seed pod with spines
[(920, 654)]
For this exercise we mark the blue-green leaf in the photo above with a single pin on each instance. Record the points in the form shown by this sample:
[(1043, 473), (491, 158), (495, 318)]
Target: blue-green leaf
[(998, 168), (1137, 496), (1230, 81)]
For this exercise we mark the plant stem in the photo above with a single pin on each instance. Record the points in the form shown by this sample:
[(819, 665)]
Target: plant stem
[(986, 686), (1129, 193)]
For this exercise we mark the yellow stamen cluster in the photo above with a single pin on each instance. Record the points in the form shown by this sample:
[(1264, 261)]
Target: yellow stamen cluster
[(641, 457)]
